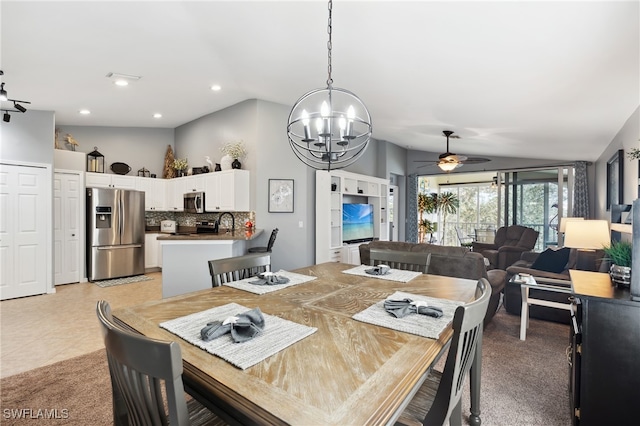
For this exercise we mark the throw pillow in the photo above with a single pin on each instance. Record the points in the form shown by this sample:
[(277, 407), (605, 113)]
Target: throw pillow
[(552, 260)]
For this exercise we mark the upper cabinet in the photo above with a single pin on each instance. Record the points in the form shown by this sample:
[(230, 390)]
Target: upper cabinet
[(155, 198), (227, 191), (103, 180)]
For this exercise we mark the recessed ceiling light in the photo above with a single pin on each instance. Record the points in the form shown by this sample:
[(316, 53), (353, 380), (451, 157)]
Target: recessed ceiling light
[(216, 87), (85, 112), (121, 83), (157, 115)]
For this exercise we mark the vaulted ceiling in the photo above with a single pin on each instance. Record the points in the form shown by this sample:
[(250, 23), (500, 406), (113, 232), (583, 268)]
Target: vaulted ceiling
[(538, 79)]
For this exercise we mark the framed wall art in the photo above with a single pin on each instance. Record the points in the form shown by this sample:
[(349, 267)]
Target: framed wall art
[(281, 195), (615, 179)]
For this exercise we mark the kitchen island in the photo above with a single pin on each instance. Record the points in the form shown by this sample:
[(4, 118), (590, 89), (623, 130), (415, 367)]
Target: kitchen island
[(185, 257)]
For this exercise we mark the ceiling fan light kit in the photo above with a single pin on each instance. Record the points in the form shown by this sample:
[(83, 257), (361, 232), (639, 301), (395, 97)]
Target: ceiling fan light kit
[(329, 128), (449, 161)]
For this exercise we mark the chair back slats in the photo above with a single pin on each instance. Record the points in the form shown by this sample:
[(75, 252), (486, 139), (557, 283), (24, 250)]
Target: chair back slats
[(272, 239), (467, 335), (140, 368), (408, 261), (238, 268)]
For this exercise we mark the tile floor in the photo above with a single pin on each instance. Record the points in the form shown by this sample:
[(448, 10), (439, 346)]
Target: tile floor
[(42, 330)]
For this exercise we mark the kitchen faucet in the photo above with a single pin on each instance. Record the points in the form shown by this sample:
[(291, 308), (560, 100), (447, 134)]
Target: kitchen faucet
[(233, 220)]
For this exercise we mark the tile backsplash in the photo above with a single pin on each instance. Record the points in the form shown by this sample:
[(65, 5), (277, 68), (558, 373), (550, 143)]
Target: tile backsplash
[(189, 219)]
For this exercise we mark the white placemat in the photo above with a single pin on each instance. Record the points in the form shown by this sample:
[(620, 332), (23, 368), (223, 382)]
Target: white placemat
[(422, 325), (278, 334), (294, 279), (393, 275)]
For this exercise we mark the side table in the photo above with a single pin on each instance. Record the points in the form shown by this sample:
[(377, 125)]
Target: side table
[(548, 284)]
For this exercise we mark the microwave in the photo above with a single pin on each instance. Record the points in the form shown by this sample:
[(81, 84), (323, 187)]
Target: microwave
[(194, 202)]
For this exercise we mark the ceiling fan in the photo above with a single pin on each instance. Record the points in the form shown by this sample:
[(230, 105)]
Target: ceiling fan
[(448, 160)]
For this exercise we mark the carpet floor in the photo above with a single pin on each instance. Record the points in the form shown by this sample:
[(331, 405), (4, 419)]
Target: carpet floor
[(523, 383)]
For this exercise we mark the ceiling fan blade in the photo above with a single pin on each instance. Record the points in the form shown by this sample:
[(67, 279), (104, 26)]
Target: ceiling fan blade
[(476, 160)]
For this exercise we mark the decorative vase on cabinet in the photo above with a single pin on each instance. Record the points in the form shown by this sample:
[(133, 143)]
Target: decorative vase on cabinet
[(236, 164), (225, 162)]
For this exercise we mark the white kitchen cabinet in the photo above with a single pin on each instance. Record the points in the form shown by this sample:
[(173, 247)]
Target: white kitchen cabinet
[(104, 180), (152, 251), (195, 183), (155, 193), (175, 194), (227, 191)]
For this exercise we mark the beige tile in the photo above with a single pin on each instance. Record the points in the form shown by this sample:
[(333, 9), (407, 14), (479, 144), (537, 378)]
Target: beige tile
[(41, 330)]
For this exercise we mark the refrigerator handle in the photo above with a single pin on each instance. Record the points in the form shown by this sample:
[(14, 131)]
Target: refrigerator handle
[(126, 246), (121, 210)]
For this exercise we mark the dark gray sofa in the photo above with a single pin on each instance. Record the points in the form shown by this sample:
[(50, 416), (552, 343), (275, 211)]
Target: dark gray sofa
[(449, 261)]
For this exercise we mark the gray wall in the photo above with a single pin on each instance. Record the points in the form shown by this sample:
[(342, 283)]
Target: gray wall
[(28, 137), (138, 147), (627, 138), (261, 125)]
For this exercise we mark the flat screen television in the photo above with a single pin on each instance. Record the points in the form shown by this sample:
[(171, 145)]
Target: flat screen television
[(357, 222)]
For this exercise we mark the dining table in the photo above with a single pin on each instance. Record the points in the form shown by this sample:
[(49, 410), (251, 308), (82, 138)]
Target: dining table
[(346, 372)]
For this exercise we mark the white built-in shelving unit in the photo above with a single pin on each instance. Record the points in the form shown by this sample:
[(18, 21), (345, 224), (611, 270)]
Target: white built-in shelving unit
[(332, 190)]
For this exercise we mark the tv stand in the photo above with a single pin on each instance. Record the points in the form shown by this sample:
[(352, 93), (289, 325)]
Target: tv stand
[(337, 187)]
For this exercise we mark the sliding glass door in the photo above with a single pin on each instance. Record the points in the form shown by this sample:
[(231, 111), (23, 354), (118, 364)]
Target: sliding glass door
[(537, 199)]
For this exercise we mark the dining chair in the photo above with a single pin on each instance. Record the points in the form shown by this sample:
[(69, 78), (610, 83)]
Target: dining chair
[(438, 400), (465, 240), (408, 261), (238, 268), (146, 379), (269, 247)]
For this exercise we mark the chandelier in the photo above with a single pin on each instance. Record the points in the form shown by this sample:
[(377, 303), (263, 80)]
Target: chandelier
[(329, 128)]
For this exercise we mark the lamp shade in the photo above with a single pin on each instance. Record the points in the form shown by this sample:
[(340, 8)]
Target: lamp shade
[(587, 234), (564, 220)]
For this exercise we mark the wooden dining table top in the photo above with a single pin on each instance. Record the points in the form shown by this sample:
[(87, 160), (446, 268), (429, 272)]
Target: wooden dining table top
[(348, 372)]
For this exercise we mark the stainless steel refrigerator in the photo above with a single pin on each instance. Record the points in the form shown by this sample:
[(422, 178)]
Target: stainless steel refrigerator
[(115, 233)]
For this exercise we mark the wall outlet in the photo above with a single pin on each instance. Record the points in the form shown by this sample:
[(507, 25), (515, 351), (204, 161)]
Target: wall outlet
[(300, 224)]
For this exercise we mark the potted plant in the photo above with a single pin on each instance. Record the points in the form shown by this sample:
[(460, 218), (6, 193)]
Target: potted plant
[(232, 151), (180, 165), (619, 254)]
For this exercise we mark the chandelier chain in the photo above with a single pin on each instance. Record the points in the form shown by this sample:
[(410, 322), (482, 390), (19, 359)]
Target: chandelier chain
[(329, 45)]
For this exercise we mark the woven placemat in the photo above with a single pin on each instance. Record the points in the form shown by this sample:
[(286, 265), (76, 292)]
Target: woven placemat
[(120, 281), (294, 279), (421, 325), (278, 334), (393, 275)]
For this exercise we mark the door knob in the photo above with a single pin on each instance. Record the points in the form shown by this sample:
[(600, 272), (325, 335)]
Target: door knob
[(73, 235)]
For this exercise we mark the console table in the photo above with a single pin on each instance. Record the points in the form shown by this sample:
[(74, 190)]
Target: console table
[(605, 348)]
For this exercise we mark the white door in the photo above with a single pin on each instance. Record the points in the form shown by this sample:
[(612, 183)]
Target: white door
[(67, 205), (25, 212)]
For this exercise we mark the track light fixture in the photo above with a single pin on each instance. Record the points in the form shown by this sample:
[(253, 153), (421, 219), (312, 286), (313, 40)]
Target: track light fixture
[(16, 106), (19, 107)]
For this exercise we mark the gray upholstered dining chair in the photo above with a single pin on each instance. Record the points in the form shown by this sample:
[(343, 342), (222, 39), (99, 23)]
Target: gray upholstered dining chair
[(139, 366), (238, 268), (424, 408), (408, 261)]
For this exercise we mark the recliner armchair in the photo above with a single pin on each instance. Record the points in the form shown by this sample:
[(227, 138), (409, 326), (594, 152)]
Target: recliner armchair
[(509, 244)]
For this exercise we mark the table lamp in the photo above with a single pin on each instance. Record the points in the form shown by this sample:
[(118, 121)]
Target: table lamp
[(563, 227), (587, 236)]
